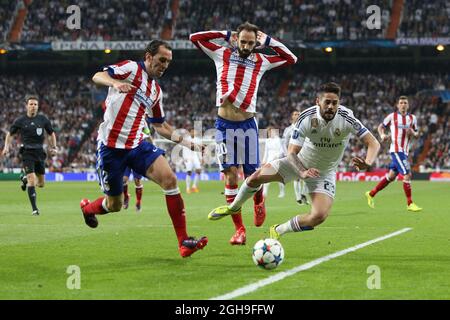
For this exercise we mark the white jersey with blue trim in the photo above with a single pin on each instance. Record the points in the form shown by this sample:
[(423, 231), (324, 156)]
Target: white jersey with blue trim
[(323, 143)]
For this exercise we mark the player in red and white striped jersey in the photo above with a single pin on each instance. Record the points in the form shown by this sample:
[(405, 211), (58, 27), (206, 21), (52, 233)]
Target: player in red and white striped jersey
[(134, 97), (403, 127), (239, 71)]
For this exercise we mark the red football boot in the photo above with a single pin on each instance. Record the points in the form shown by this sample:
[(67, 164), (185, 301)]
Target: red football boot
[(239, 238), (190, 245), (259, 213), (89, 219)]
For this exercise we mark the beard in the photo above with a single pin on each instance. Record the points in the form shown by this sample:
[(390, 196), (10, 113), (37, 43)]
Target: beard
[(328, 115), (244, 53)]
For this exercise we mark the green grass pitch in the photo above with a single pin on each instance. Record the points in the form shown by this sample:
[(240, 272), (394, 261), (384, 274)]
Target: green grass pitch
[(135, 256)]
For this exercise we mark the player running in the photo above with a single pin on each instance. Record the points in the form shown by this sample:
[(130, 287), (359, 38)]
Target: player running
[(403, 127), (299, 185), (239, 70), (31, 128), (134, 96), (317, 145)]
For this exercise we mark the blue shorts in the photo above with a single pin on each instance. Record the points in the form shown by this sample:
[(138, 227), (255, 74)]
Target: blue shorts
[(128, 171), (237, 144), (400, 163), (112, 163)]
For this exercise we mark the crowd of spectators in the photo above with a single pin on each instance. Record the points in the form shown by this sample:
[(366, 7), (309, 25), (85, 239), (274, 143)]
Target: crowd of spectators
[(288, 19), (70, 105), (6, 14), (102, 20), (425, 19), (66, 101)]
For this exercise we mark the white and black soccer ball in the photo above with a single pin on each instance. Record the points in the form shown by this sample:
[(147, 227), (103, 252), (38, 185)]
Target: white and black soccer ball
[(268, 253)]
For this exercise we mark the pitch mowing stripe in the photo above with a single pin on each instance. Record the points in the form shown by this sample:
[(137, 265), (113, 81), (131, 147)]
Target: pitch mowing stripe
[(281, 275)]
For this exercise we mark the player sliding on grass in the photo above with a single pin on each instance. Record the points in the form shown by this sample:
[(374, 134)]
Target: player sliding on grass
[(403, 127), (327, 126), (134, 97), (239, 70)]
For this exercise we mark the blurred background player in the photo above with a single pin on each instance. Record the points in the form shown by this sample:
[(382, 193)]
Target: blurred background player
[(328, 125), (31, 129), (192, 162), (134, 97), (403, 127), (272, 150), (139, 186), (239, 70), (299, 184)]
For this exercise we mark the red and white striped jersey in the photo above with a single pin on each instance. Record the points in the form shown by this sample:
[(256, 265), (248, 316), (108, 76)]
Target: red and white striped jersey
[(238, 78), (125, 114), (399, 126)]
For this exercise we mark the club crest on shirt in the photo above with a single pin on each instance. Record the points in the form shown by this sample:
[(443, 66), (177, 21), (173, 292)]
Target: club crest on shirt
[(314, 125), (39, 131), (337, 132), (357, 126)]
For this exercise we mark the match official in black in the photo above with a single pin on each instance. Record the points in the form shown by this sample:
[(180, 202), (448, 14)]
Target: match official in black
[(31, 128)]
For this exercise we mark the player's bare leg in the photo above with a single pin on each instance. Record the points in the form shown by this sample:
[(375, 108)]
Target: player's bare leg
[(231, 189), (161, 173), (320, 208)]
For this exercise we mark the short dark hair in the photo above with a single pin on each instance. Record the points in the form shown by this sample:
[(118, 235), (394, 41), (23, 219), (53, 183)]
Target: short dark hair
[(402, 98), (330, 87), (29, 97), (153, 47), (248, 27)]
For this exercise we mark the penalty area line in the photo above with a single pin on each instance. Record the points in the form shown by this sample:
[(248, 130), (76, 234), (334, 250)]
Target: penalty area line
[(284, 274)]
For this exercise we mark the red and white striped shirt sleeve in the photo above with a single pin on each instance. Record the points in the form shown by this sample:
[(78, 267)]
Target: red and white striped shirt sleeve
[(120, 70), (284, 55), (387, 120), (202, 40)]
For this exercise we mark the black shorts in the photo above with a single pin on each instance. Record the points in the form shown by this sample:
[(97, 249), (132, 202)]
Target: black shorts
[(33, 160)]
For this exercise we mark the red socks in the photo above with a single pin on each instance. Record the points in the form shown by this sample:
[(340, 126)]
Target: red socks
[(95, 207), (258, 197), (125, 191), (380, 186), (230, 193), (139, 195), (175, 206), (407, 189)]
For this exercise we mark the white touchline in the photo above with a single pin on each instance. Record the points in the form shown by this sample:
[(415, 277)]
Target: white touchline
[(281, 275)]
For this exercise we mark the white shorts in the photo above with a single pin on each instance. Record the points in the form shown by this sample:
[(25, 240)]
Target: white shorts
[(326, 183), (192, 164)]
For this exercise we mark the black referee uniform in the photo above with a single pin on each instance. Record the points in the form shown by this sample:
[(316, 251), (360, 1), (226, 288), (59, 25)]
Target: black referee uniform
[(31, 131)]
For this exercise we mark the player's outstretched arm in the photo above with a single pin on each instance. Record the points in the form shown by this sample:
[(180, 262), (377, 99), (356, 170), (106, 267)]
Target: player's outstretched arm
[(8, 139), (382, 133), (104, 79), (165, 130), (373, 146), (53, 148)]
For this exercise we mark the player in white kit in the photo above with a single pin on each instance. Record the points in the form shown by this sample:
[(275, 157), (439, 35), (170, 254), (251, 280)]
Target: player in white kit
[(299, 185), (328, 126), (273, 150), (192, 162)]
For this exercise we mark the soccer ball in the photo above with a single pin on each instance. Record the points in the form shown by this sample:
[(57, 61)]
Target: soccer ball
[(268, 253)]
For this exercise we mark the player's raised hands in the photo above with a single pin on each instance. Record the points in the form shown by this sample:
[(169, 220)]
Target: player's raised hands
[(310, 173), (123, 87), (360, 163), (261, 37)]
